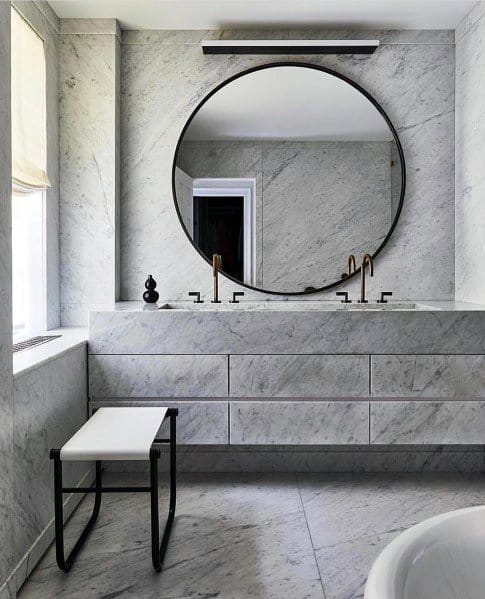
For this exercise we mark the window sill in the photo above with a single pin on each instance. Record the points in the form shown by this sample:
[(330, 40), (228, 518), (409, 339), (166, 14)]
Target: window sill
[(34, 357)]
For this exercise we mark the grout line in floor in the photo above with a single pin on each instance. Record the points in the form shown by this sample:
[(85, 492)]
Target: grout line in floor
[(310, 535)]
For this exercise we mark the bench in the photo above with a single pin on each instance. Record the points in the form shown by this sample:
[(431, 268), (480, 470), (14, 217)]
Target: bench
[(118, 433)]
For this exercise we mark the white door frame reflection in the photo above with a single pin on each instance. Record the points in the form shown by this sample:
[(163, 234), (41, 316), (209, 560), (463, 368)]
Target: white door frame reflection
[(246, 188)]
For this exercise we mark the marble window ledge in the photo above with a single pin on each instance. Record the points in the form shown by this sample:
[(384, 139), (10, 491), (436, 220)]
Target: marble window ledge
[(33, 358)]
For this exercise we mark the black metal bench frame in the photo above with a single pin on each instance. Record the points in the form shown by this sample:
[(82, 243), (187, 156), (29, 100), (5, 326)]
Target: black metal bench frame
[(158, 549)]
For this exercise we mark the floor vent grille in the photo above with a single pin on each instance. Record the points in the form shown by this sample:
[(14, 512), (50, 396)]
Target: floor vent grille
[(28, 343)]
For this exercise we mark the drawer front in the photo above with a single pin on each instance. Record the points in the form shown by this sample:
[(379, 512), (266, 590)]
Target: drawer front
[(299, 422), (427, 422), (198, 422), (299, 376), (158, 376), (428, 376)]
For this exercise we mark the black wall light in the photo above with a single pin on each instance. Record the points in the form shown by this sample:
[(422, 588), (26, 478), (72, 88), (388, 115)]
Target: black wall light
[(289, 46)]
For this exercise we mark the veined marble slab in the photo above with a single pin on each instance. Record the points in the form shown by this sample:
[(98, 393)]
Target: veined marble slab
[(234, 538), (198, 422), (135, 331), (351, 518), (50, 406), (89, 167), (299, 376), (427, 422), (469, 172), (299, 422), (90, 26), (428, 376), (164, 76), (158, 376)]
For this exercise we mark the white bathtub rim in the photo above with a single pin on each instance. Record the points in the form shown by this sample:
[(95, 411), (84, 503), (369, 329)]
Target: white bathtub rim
[(381, 582)]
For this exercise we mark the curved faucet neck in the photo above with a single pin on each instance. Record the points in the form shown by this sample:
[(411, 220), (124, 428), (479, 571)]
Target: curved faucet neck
[(366, 261)]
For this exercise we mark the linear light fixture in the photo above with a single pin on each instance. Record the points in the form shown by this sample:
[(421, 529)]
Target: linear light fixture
[(289, 46)]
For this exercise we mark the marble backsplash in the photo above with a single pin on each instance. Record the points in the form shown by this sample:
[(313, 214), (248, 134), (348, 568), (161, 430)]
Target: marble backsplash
[(163, 77)]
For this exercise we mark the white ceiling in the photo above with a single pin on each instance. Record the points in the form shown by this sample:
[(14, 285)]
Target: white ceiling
[(289, 103), (216, 14)]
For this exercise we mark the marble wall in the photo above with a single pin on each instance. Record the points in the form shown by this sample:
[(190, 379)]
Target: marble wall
[(315, 202), (6, 386), (164, 76), (50, 405), (89, 61), (45, 22), (470, 174)]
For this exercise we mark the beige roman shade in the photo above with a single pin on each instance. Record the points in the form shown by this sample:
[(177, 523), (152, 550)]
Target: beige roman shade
[(28, 107)]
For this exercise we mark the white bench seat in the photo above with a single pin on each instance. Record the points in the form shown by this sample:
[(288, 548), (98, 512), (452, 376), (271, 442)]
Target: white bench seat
[(115, 434), (118, 433)]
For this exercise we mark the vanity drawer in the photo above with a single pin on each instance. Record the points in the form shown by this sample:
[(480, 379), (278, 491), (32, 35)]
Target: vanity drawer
[(198, 422), (427, 422), (158, 376), (299, 422), (299, 376), (428, 376)]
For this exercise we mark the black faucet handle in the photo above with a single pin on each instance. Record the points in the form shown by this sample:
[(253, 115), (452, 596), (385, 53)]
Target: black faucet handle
[(236, 294), (345, 295), (384, 294), (197, 295)]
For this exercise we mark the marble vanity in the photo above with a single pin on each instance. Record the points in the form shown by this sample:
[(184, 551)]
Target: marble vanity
[(297, 373), (308, 204)]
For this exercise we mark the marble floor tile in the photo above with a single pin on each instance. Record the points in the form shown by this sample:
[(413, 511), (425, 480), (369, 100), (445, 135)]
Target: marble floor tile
[(351, 518), (234, 538), (244, 536)]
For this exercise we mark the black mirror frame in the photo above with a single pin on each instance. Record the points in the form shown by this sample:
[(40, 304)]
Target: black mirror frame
[(339, 76)]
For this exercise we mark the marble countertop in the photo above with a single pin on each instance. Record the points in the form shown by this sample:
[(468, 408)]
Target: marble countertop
[(434, 327), (34, 357), (291, 305)]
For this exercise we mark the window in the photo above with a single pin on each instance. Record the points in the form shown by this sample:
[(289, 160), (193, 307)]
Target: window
[(29, 179), (28, 270)]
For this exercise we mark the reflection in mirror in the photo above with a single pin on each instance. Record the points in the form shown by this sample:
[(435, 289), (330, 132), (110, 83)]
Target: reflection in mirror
[(285, 171)]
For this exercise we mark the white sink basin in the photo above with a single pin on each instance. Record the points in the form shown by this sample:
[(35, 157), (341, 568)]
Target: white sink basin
[(294, 306)]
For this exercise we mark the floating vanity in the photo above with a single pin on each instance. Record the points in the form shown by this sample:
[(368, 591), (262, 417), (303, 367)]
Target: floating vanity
[(292, 198), (297, 373)]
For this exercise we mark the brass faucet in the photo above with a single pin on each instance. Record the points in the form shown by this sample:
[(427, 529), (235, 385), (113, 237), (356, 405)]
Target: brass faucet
[(351, 264), (216, 267), (366, 260)]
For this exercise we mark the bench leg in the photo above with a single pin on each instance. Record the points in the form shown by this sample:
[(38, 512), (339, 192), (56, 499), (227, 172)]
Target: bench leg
[(158, 551), (66, 563)]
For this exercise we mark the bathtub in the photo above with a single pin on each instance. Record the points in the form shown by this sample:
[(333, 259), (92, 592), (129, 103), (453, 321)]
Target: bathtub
[(439, 558)]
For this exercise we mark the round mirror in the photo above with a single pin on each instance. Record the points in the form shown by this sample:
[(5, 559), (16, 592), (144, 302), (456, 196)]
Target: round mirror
[(284, 171)]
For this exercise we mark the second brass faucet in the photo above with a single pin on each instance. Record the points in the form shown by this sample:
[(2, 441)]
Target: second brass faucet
[(366, 261)]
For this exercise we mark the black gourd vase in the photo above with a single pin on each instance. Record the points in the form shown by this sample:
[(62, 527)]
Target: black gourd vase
[(150, 296)]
